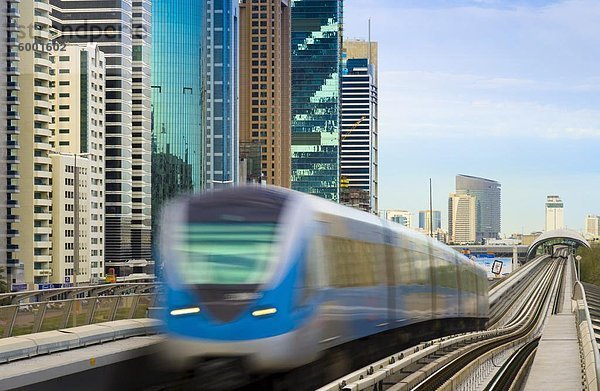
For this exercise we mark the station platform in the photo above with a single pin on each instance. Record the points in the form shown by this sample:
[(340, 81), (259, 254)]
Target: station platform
[(556, 365)]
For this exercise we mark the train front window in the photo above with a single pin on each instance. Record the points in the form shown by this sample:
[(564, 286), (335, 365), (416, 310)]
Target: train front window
[(227, 252)]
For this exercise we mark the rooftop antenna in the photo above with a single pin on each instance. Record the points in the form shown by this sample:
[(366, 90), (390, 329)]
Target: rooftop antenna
[(430, 211), (369, 48)]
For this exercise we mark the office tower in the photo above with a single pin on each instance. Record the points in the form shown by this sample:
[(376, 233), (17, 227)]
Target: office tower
[(316, 67), (221, 124), (358, 142), (487, 196), (121, 29), (425, 220), (265, 106), (35, 170), (78, 98), (555, 214), (141, 132), (462, 218), (403, 217), (178, 53), (592, 225)]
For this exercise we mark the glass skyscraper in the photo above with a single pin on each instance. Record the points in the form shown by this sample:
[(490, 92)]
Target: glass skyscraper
[(487, 203), (222, 144), (177, 98), (316, 65)]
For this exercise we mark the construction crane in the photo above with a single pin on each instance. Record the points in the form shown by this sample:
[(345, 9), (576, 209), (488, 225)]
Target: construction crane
[(344, 181)]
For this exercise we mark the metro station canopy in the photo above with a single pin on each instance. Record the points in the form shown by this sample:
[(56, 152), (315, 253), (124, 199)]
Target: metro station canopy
[(559, 236)]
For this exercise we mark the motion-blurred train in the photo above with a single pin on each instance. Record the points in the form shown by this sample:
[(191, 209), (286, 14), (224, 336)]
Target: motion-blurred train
[(278, 278)]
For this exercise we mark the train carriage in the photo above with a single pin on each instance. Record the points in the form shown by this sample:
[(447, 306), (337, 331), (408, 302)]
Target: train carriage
[(278, 278)]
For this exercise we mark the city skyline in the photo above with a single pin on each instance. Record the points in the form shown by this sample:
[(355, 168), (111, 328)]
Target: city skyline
[(449, 101)]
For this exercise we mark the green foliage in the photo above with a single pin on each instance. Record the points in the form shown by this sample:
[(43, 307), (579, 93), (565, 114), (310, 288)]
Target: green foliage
[(3, 285), (590, 264)]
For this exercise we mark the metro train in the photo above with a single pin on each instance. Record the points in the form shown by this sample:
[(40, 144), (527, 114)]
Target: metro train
[(278, 278)]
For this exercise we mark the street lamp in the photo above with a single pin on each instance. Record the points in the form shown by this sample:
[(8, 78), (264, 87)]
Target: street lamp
[(578, 258)]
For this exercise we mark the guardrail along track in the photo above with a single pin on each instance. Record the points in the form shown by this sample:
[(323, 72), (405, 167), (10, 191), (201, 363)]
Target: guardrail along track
[(448, 362)]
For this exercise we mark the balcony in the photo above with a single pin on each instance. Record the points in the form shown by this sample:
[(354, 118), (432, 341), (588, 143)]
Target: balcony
[(13, 86), (13, 56), (13, 159), (42, 90), (42, 160), (13, 12), (12, 144), (13, 219), (42, 118), (12, 71), (42, 272), (42, 244), (14, 115), (12, 130), (13, 100), (12, 233)]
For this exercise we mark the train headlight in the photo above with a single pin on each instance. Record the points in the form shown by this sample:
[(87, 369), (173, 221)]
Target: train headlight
[(264, 312), (185, 311)]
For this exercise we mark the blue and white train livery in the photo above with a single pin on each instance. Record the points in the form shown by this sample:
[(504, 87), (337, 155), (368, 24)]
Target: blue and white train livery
[(278, 278)]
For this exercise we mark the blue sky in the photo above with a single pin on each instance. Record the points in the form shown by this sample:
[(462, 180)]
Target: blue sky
[(507, 90)]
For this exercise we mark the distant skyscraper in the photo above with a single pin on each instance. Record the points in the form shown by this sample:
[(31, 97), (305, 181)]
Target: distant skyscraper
[(487, 194), (122, 31), (462, 218), (265, 77), (178, 65), (316, 60), (592, 225), (425, 220), (555, 213), (221, 123), (403, 217), (359, 143)]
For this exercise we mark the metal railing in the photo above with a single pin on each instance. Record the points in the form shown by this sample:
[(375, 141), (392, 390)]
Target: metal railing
[(585, 330), (44, 310)]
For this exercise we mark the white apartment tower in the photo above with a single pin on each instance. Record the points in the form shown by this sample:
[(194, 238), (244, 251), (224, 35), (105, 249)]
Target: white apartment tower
[(35, 215), (78, 164), (592, 225), (555, 213), (462, 218)]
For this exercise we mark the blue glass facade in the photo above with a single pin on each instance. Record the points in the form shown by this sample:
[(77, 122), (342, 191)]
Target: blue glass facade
[(177, 98), (222, 134), (316, 63)]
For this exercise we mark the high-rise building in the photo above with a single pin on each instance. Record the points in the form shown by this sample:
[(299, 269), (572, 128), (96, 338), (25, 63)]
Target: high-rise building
[(141, 132), (462, 218), (35, 165), (592, 225), (425, 220), (316, 67), (178, 61), (265, 89), (555, 213), (403, 217), (78, 164), (9, 145), (358, 142), (121, 29), (221, 123), (487, 195)]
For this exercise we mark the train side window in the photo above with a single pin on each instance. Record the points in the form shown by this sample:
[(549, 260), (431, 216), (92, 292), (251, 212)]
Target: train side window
[(402, 266)]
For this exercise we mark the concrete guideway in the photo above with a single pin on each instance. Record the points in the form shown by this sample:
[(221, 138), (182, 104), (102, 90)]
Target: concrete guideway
[(557, 364)]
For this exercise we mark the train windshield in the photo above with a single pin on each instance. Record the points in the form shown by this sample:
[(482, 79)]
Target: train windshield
[(227, 252), (230, 237)]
